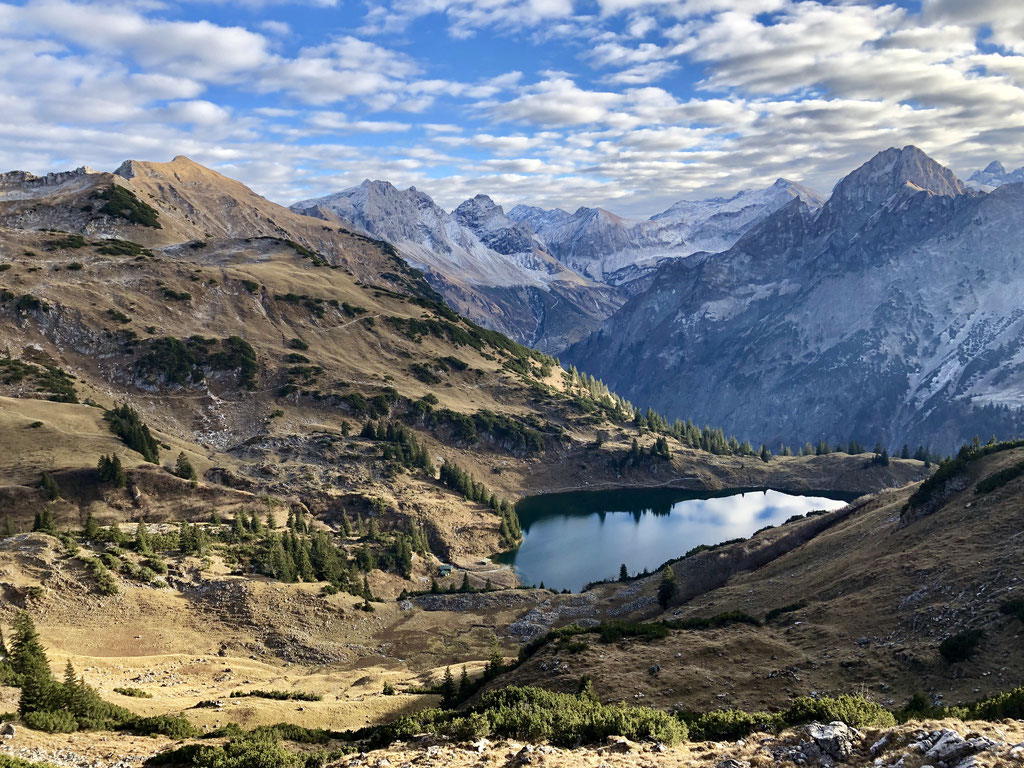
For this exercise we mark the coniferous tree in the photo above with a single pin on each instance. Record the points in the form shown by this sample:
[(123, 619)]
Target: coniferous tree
[(496, 661), (623, 573), (28, 658), (448, 689), (91, 529), (905, 453), (111, 471), (6, 529), (464, 684), (49, 487), (667, 588), (183, 467), (143, 544), (43, 522)]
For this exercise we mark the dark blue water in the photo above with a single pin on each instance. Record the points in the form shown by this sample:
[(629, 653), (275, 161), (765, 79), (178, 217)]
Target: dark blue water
[(571, 539)]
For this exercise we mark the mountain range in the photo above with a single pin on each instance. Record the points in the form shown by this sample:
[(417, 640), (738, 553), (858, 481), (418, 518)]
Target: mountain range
[(891, 313), (545, 277), (888, 312)]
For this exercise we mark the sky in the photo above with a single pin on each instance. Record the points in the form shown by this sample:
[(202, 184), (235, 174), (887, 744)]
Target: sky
[(626, 104)]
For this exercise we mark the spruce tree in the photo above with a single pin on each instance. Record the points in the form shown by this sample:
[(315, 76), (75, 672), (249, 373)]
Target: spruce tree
[(464, 684), (448, 690), (28, 658), (496, 661), (6, 529), (667, 588), (142, 541), (49, 487), (91, 530), (623, 573)]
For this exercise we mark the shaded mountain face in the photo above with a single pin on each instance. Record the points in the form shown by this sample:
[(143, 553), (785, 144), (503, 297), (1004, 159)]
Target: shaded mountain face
[(892, 314), (487, 266)]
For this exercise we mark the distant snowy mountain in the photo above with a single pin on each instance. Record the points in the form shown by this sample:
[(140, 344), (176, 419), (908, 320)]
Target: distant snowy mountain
[(545, 277), (489, 267), (599, 244), (994, 175)]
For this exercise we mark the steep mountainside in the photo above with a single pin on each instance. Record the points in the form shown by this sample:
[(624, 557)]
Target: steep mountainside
[(488, 267), (890, 314)]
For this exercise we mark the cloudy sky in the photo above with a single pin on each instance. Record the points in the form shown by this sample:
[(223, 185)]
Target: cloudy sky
[(628, 104)]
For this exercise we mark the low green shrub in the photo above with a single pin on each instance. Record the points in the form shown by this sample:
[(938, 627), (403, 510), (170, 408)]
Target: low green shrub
[(171, 726), (6, 761), (538, 715), (136, 693), (774, 613), (731, 724), (855, 711), (278, 695), (961, 646), (59, 721)]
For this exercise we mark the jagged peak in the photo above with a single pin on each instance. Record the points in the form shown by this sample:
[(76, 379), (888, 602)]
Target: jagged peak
[(995, 168), (888, 171)]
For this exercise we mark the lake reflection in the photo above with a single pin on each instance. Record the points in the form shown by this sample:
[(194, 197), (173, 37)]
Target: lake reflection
[(571, 539)]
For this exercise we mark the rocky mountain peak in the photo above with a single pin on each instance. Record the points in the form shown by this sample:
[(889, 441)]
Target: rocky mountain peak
[(860, 194), (889, 171), (995, 168)]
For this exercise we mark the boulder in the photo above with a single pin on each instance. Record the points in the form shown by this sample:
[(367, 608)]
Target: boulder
[(837, 740), (8, 730)]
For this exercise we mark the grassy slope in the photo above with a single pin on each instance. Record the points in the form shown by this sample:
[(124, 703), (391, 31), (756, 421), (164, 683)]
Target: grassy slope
[(880, 596)]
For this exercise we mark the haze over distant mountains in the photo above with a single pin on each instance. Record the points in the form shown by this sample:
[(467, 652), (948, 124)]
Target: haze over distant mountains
[(545, 277)]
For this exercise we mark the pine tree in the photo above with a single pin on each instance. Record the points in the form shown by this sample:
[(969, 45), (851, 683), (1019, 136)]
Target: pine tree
[(623, 573), (448, 689), (464, 684), (142, 541), (110, 471), (116, 535), (4, 654), (366, 589), (6, 529), (905, 453), (667, 588), (43, 522), (49, 487), (496, 661), (28, 658), (91, 529)]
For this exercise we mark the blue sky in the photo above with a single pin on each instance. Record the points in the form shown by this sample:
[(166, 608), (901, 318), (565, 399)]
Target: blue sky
[(627, 104)]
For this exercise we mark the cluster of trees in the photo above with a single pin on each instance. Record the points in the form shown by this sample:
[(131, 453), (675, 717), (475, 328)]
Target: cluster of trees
[(457, 479), (125, 423), (580, 384), (401, 444), (110, 471), (63, 706), (302, 554)]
